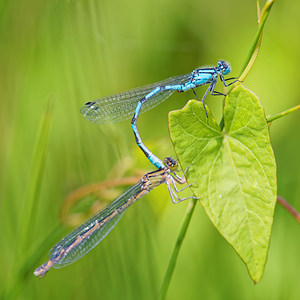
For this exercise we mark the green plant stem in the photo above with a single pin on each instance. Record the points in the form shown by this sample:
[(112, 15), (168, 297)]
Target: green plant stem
[(258, 10), (172, 262), (252, 55), (281, 114), (254, 50)]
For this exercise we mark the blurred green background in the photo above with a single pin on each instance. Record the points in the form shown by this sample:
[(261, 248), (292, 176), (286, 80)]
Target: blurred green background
[(60, 54)]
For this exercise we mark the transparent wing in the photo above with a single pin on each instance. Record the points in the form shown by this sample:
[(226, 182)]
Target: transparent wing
[(90, 233), (121, 106)]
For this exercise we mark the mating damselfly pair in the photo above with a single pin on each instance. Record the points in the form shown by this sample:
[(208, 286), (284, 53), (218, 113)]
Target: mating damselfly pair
[(116, 108)]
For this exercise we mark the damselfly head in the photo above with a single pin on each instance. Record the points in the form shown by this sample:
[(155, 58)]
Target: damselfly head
[(223, 67), (170, 163)]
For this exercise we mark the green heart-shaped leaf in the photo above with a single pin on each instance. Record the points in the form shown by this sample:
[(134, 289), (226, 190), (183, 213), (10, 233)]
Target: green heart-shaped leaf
[(232, 171)]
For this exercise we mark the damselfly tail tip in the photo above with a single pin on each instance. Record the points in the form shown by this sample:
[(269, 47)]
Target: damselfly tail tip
[(43, 269)]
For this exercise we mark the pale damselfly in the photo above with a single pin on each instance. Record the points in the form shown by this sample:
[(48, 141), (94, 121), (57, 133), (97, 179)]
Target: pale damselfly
[(90, 233)]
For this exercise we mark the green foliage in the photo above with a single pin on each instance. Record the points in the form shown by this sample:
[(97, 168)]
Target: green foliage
[(233, 171), (76, 51)]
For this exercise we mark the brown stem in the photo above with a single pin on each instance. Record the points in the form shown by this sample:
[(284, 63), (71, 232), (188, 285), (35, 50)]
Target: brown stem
[(289, 208), (98, 189)]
